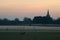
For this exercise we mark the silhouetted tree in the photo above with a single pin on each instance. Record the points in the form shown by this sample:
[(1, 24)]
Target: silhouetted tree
[(57, 21), (5, 21), (16, 21), (27, 20)]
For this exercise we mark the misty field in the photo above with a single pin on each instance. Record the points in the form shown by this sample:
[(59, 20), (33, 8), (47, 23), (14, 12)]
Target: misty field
[(30, 36), (29, 33)]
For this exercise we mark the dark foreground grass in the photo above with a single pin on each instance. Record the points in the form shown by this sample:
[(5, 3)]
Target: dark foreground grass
[(30, 36)]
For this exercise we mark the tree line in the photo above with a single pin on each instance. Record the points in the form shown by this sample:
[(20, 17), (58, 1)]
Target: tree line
[(26, 21)]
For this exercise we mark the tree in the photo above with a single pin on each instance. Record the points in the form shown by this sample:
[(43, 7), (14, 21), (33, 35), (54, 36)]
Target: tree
[(57, 21), (27, 20), (16, 21)]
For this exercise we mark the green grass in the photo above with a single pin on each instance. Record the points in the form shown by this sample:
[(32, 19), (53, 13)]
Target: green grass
[(30, 36)]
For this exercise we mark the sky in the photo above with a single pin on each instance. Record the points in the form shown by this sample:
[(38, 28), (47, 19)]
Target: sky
[(12, 9)]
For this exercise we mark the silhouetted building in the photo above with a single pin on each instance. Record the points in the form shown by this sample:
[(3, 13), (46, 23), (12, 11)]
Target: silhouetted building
[(43, 20)]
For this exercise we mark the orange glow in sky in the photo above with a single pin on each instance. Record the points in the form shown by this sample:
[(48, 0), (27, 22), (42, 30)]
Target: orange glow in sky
[(28, 8)]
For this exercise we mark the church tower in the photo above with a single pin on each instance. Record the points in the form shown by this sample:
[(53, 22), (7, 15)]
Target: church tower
[(48, 15)]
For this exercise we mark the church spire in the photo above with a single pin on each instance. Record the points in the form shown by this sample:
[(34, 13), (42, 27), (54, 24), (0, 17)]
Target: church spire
[(48, 15)]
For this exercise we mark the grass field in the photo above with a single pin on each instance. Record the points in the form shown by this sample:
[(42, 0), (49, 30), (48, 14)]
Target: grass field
[(30, 36)]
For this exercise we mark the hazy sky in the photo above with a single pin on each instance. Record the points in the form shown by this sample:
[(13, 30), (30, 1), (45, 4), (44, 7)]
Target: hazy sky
[(28, 8)]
